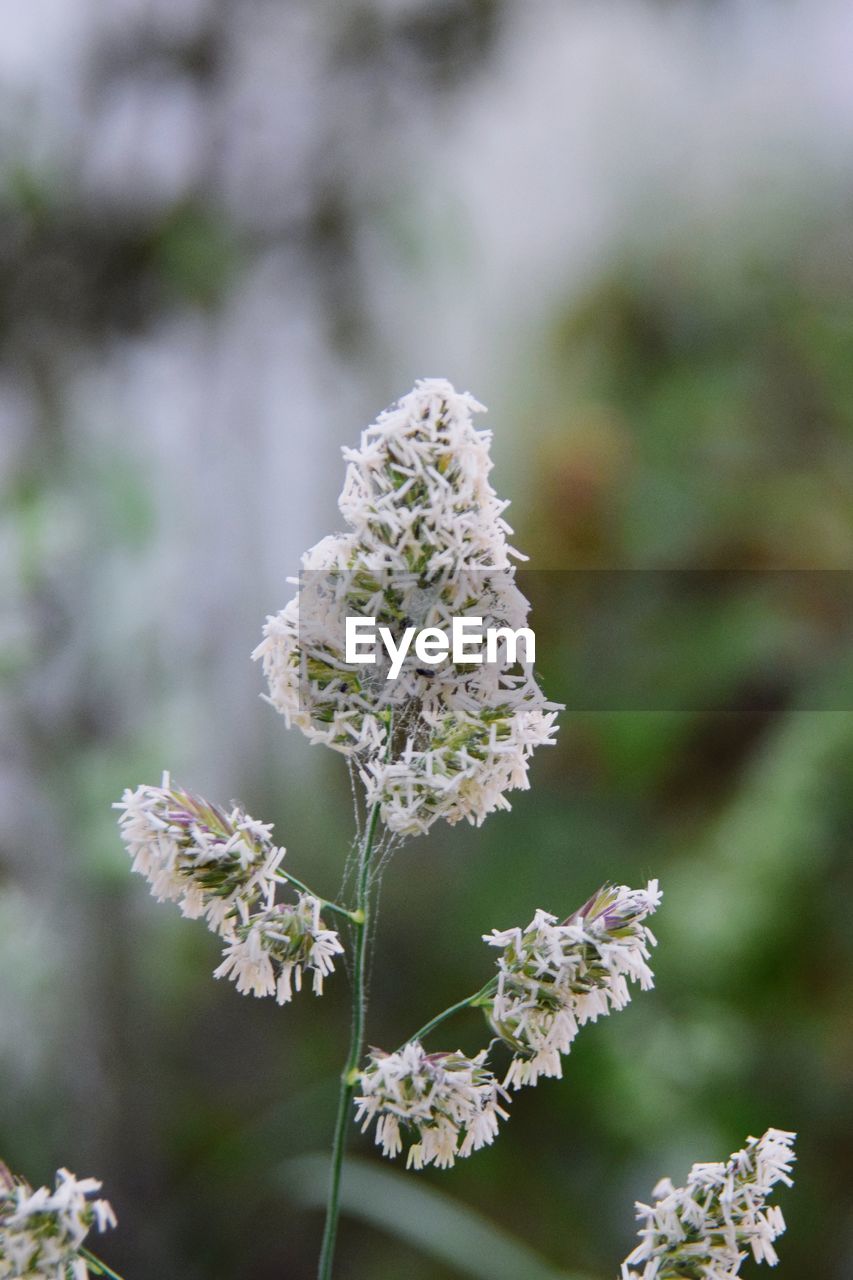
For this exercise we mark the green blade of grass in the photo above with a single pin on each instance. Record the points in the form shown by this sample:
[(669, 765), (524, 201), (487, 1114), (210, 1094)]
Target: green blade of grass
[(429, 1220)]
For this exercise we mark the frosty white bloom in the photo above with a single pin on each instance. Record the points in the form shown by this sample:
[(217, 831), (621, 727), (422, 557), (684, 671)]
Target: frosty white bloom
[(706, 1228), (213, 863), (417, 493), (553, 978), (41, 1231), (272, 948), (426, 542), (450, 1103)]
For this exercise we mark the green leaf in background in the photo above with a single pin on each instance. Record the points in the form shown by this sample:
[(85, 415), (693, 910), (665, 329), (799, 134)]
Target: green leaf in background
[(428, 1220)]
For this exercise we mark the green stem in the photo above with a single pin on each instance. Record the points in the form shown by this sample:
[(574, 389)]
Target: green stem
[(101, 1268), (479, 997), (287, 878), (350, 1072)]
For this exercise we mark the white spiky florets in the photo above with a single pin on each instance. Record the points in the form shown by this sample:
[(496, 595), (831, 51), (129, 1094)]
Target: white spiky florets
[(214, 863), (553, 978), (708, 1227), (42, 1231), (417, 495), (273, 948), (449, 1103), (225, 867), (426, 542)]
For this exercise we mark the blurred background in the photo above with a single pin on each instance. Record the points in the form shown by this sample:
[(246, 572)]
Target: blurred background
[(230, 232)]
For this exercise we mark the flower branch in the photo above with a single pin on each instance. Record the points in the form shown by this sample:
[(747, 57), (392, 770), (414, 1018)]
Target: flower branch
[(479, 999)]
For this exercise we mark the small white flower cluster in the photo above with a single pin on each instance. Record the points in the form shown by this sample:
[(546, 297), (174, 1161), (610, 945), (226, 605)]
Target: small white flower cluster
[(451, 1103), (215, 864), (225, 867), (41, 1232), (273, 947), (707, 1228), (553, 978), (426, 543)]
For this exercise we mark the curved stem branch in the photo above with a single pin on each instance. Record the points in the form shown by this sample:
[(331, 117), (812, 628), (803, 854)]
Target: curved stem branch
[(286, 878), (470, 1002)]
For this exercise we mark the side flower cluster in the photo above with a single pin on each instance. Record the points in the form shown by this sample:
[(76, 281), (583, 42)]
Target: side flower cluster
[(270, 951), (42, 1231), (224, 867), (426, 542), (553, 978), (449, 1103), (709, 1226), (214, 864)]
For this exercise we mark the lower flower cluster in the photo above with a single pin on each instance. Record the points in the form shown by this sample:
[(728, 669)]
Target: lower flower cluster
[(449, 1102), (42, 1231), (705, 1229), (552, 979)]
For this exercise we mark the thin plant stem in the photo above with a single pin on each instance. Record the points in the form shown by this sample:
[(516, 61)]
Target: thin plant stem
[(350, 1072), (470, 1002), (286, 878), (99, 1266)]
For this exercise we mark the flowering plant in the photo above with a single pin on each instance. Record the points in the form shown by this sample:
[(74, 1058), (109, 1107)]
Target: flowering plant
[(42, 1232), (705, 1228), (426, 543)]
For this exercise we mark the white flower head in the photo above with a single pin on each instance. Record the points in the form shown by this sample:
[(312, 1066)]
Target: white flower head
[(707, 1228), (214, 863), (41, 1231), (449, 1103), (417, 495), (426, 542), (553, 978), (273, 948)]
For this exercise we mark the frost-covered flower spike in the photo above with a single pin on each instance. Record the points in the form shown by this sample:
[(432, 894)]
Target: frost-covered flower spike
[(426, 543), (449, 1103), (706, 1228), (42, 1231), (553, 978), (273, 948), (215, 864)]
